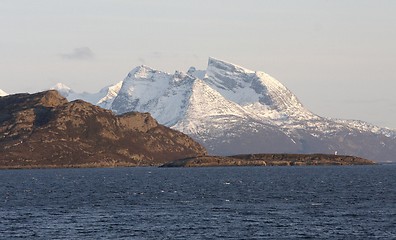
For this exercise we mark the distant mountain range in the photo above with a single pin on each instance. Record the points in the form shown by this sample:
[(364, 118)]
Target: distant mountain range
[(103, 98), (233, 110)]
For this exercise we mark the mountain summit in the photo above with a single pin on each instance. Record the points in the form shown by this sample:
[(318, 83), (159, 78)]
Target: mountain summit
[(257, 92), (233, 110)]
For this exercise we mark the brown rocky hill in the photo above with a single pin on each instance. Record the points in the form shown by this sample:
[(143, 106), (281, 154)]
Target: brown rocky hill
[(45, 130)]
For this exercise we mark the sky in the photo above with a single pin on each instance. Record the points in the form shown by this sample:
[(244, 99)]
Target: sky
[(337, 56)]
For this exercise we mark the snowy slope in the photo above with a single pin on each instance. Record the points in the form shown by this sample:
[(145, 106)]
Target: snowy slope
[(2, 93), (206, 107)]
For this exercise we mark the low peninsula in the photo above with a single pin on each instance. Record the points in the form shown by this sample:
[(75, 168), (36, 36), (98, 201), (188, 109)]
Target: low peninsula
[(269, 160)]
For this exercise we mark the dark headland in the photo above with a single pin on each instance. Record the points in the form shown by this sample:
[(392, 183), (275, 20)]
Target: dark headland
[(44, 130)]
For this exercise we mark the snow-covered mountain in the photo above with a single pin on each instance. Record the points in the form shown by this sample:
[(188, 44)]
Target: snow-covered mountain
[(2, 93), (234, 110)]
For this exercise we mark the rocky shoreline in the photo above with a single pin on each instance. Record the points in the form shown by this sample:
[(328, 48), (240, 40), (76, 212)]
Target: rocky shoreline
[(221, 161)]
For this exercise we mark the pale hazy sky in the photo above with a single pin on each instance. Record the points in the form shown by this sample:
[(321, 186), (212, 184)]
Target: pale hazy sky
[(337, 56)]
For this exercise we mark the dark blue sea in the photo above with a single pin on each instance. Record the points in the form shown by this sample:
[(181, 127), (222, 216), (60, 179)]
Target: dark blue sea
[(334, 202)]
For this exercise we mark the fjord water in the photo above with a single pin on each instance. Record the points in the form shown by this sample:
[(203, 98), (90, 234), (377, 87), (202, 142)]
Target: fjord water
[(357, 202)]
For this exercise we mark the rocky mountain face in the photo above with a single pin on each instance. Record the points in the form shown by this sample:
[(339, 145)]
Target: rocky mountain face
[(45, 130), (233, 110)]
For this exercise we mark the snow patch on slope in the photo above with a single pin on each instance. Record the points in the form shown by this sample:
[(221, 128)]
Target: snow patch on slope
[(206, 108)]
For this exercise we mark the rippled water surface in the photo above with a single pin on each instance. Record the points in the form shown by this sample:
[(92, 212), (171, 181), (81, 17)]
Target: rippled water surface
[(356, 202)]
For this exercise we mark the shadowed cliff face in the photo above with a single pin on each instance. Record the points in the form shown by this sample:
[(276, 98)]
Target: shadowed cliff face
[(45, 130)]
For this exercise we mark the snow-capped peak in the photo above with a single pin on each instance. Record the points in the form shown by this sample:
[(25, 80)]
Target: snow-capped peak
[(141, 86), (61, 86), (160, 93), (231, 81), (62, 89), (143, 72), (2, 93), (257, 92)]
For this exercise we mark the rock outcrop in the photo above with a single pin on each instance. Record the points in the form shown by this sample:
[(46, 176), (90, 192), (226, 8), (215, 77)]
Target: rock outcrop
[(45, 130)]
